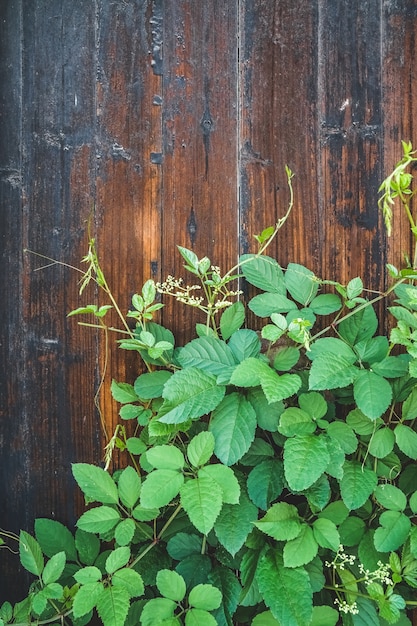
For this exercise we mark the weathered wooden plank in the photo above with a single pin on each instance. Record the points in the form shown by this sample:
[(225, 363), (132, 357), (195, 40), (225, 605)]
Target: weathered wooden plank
[(349, 157), (278, 126), (200, 139), (128, 210)]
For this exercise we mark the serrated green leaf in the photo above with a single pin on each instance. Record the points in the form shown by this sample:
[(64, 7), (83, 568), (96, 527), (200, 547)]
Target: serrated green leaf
[(265, 619), (372, 393), (201, 448), (205, 597), (156, 611), (194, 569), (265, 304), (225, 478), (325, 304), (184, 544), (331, 345), (123, 392), (113, 605), (277, 585), (344, 435), (313, 403), (232, 319), (361, 424), (124, 532), (326, 534), (95, 483), (409, 407), (266, 482), (117, 559), (129, 487), (151, 385), (31, 556), (199, 617), (54, 537), (357, 484), (233, 425), (382, 443), (360, 326), (300, 283), (318, 494), (286, 358), (406, 439), (225, 580), (165, 457), (352, 531), (88, 546), (295, 421), (101, 519), (267, 414), (234, 524), (171, 585), (244, 343), (324, 616), (390, 497), (160, 487), (392, 532), (202, 500), (302, 549), (89, 574), (208, 354), (54, 568), (263, 272), (189, 394), (305, 459), (336, 512), (391, 367), (331, 371), (281, 521)]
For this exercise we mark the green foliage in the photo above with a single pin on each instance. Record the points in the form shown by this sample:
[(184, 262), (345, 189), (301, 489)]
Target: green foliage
[(271, 473)]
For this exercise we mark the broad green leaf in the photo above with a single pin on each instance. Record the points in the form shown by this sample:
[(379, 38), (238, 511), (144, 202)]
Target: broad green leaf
[(233, 425), (392, 532), (232, 319), (171, 585), (31, 556), (344, 436), (89, 574), (95, 483), (117, 559), (331, 371), (263, 272), (189, 394), (305, 459), (336, 458), (135, 445), (357, 484), (409, 408), (165, 457), (54, 537), (372, 393), (160, 487), (88, 546), (313, 403), (413, 502), (331, 345), (354, 288), (336, 512), (300, 283), (123, 392), (352, 531), (225, 478), (318, 494), (86, 599), (267, 414), (265, 619), (279, 387), (130, 580), (382, 443), (244, 343), (101, 519), (130, 411), (209, 354), (406, 439), (258, 452), (375, 351), (205, 597), (151, 385), (54, 568), (325, 304), (360, 326), (265, 304), (194, 569), (281, 521), (390, 497), (266, 482), (295, 421), (129, 487), (391, 367), (184, 544), (234, 523), (367, 615), (202, 500), (200, 449), (113, 605), (199, 617), (156, 611), (160, 335), (324, 616), (225, 580), (189, 257), (286, 358), (302, 549), (277, 585), (326, 533), (361, 424), (124, 532)]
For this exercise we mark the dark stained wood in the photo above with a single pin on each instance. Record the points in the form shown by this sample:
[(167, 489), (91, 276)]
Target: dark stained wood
[(150, 124)]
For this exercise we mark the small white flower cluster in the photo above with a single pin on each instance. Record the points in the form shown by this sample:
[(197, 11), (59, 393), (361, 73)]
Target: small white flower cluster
[(382, 574), (341, 559), (174, 287), (345, 607)]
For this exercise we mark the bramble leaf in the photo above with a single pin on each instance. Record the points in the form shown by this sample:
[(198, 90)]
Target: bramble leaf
[(357, 484), (305, 459), (202, 500), (30, 554), (95, 483), (160, 487), (372, 393), (233, 425), (232, 319)]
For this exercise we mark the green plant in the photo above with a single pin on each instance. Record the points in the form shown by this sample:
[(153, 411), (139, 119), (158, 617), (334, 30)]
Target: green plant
[(272, 479)]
